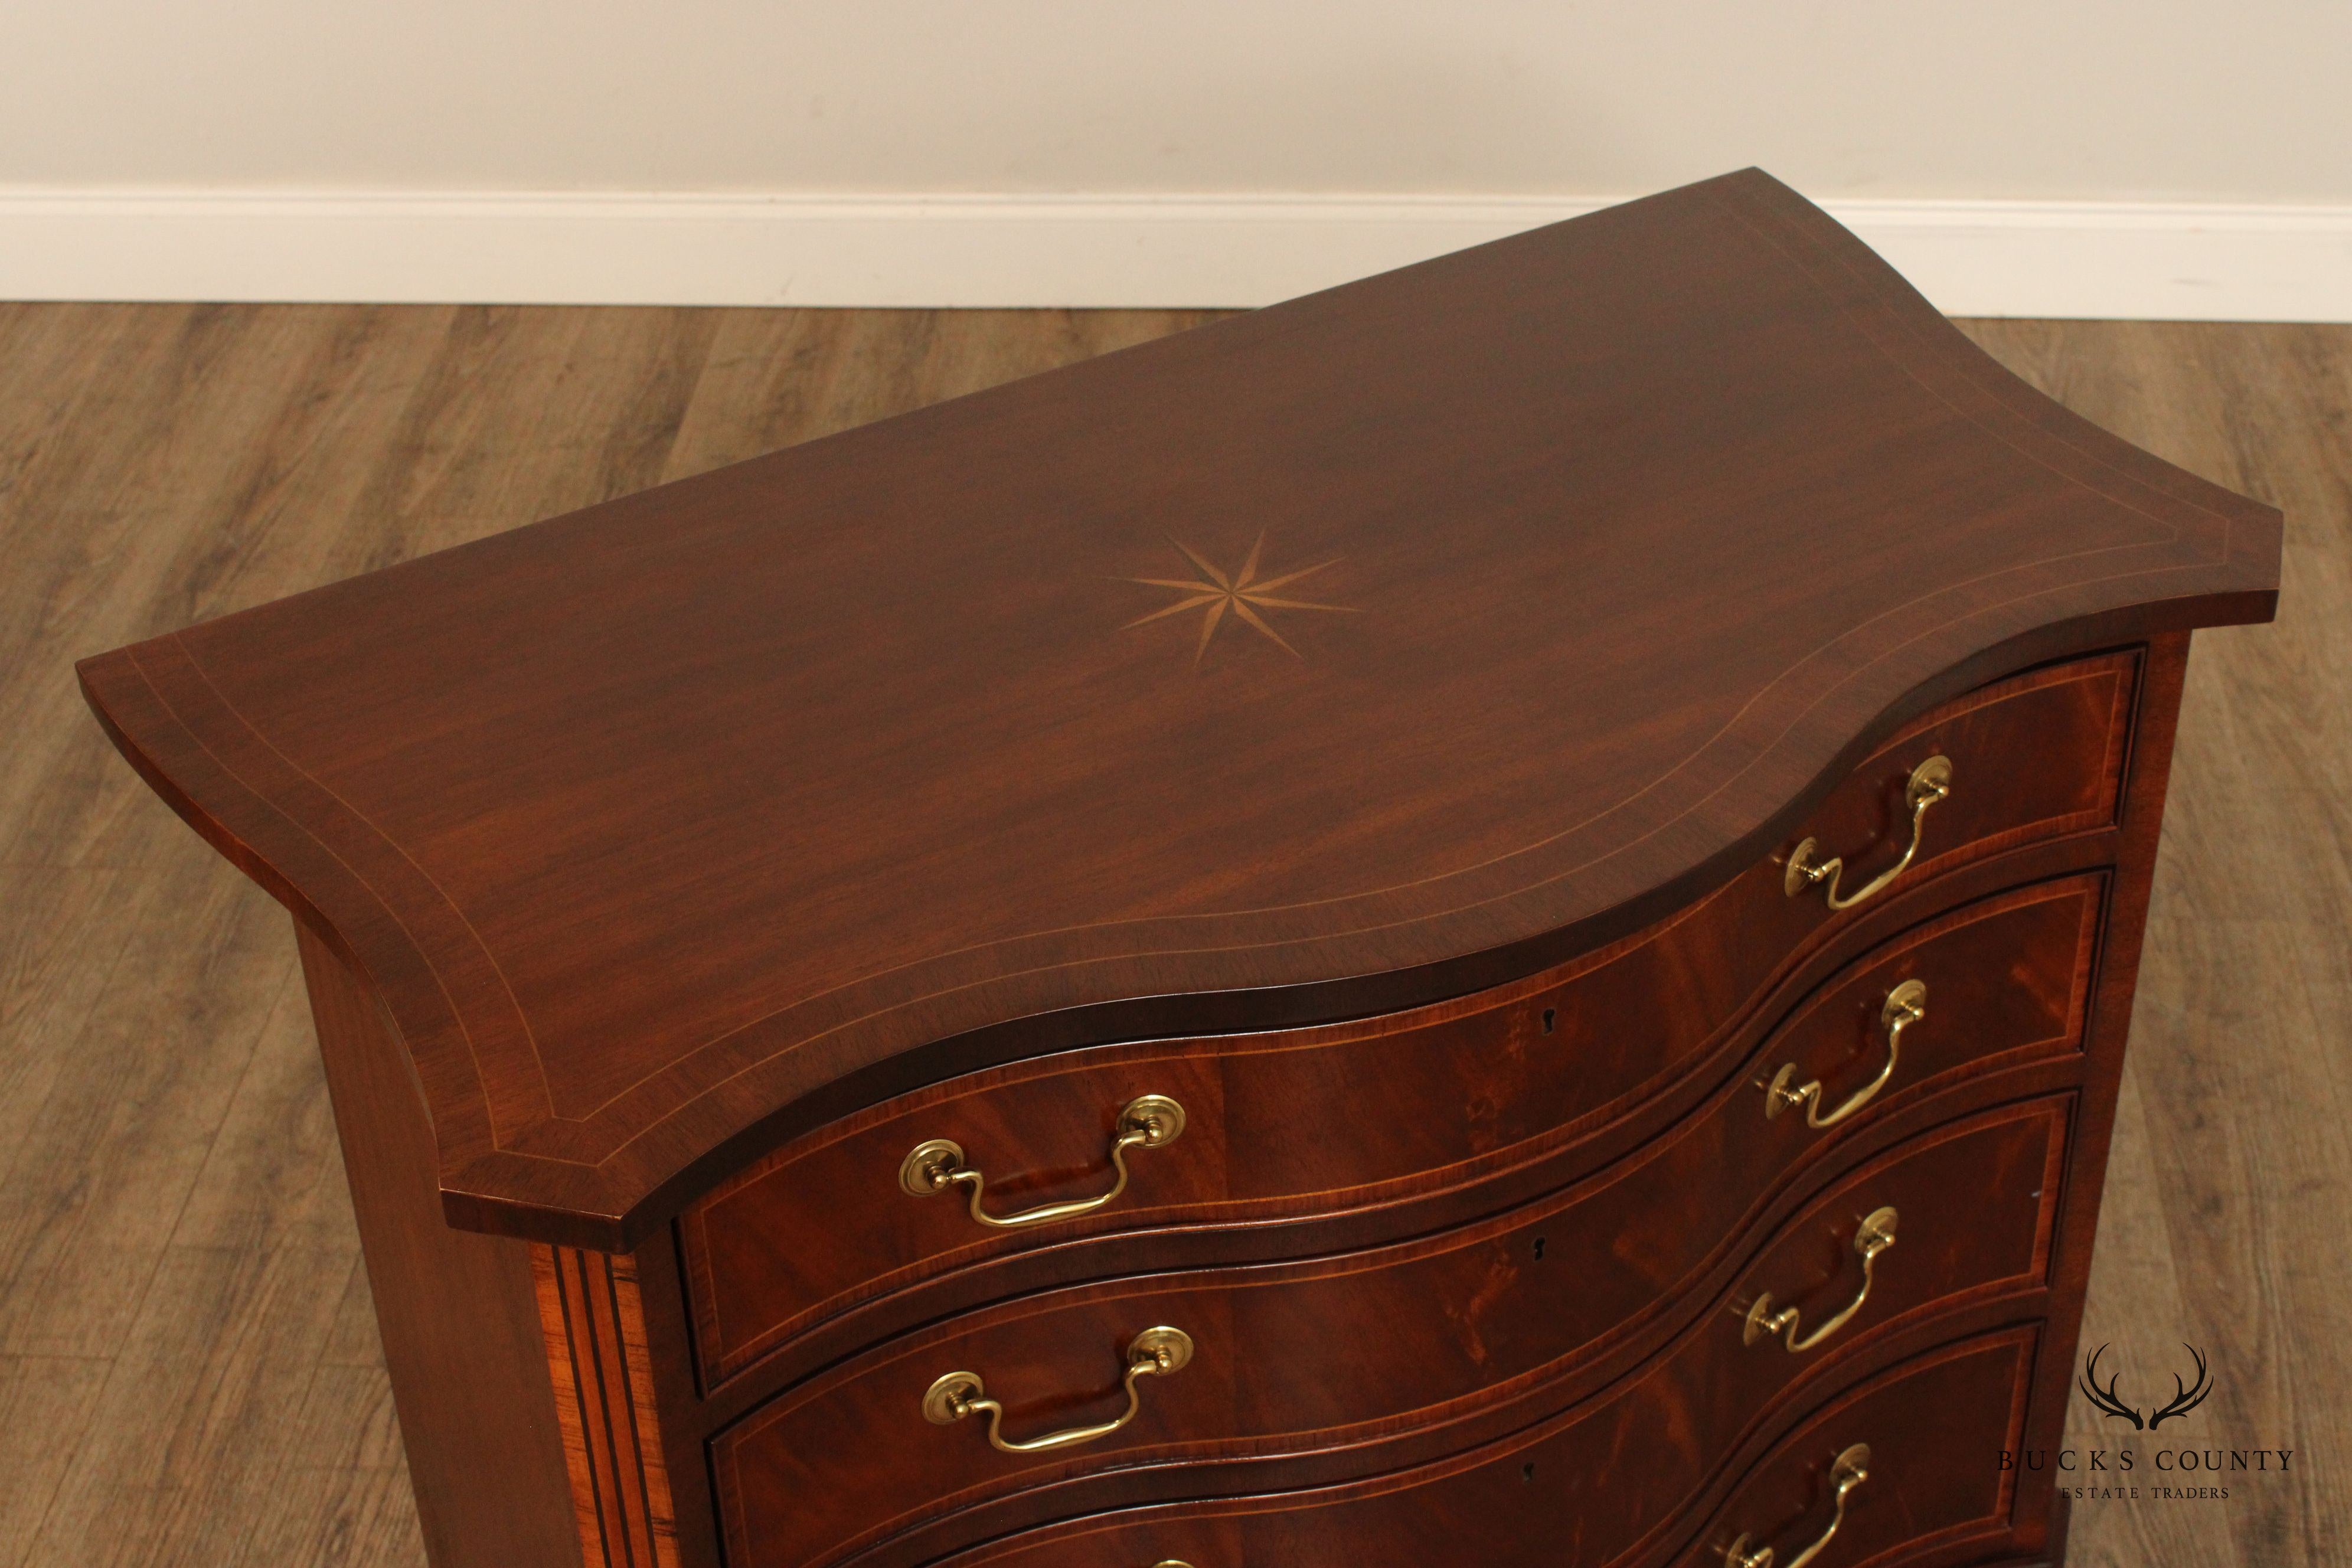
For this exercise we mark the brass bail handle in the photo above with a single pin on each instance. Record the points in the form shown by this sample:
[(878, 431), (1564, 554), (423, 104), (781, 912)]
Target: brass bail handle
[(1905, 1005), (1847, 1471), (1876, 1235), (1147, 1121), (1931, 781), (1154, 1352)]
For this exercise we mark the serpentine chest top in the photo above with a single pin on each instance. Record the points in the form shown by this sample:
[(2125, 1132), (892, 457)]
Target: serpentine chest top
[(1488, 917)]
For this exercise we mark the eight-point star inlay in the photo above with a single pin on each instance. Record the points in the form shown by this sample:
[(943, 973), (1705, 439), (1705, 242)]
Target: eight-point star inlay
[(1213, 593)]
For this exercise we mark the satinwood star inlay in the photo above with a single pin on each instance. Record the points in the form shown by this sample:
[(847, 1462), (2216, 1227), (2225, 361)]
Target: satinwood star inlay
[(1215, 592)]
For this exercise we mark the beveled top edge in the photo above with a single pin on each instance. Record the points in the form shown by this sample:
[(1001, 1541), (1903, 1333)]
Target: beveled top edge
[(150, 699)]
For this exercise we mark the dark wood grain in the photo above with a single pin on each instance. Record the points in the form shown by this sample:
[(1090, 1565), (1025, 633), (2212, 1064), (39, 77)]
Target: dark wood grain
[(1331, 1353), (189, 1365), (2147, 780), (459, 1312), (1939, 1489), (1645, 528), (1694, 1187), (1047, 1262), (2006, 975), (1598, 1485)]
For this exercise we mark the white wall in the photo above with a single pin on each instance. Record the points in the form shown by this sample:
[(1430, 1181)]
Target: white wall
[(474, 145)]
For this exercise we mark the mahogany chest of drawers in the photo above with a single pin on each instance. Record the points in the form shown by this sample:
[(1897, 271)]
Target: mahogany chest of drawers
[(1487, 918)]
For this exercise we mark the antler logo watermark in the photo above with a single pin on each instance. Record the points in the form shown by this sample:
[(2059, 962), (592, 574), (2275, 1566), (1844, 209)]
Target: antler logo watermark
[(2167, 1472), (2185, 1397)]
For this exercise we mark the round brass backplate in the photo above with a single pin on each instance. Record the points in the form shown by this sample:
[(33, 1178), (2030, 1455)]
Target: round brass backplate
[(1799, 874), (1932, 777), (1172, 1348), (1878, 1225), (1911, 997), (1854, 1462), (943, 1401), (917, 1170), (1160, 1119)]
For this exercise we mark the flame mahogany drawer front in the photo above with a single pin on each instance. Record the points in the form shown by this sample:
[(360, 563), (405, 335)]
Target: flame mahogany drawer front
[(1276, 1127), (1619, 1483), (1498, 1309), (1478, 918)]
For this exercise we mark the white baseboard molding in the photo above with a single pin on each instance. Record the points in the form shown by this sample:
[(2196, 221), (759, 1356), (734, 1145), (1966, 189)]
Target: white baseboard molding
[(2159, 260)]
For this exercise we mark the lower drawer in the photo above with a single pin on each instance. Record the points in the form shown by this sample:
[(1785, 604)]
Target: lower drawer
[(1614, 1482), (1296, 1357)]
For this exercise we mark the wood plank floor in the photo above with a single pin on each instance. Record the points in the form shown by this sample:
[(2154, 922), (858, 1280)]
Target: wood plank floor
[(188, 1366)]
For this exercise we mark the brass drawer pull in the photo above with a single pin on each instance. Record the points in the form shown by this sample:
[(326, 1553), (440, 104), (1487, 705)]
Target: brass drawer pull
[(1147, 1121), (1847, 1471), (1876, 1235), (1905, 1005), (1931, 781), (1154, 1352)]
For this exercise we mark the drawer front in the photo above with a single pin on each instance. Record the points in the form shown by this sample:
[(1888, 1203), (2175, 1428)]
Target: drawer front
[(1614, 1482), (1910, 1461), (1338, 1349), (1350, 1117)]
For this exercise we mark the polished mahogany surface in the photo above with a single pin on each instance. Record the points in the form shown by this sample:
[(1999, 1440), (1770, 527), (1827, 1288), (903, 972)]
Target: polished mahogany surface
[(1279, 1120), (1355, 652), (1623, 1481), (1632, 1254), (1469, 1326), (2007, 977)]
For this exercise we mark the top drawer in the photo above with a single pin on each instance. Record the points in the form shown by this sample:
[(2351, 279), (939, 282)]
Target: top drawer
[(1345, 1117)]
